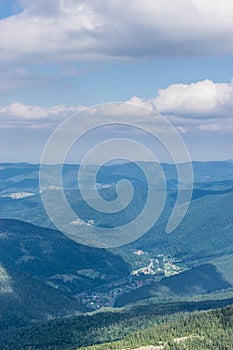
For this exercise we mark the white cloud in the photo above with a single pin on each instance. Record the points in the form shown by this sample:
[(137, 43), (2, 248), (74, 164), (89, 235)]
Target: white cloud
[(90, 29), (203, 105), (201, 99), (217, 125), (35, 117), (141, 102)]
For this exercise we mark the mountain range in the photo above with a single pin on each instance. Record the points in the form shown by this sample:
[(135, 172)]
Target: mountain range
[(45, 276)]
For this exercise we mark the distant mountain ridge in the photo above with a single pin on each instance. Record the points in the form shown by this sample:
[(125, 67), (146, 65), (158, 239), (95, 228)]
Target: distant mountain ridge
[(23, 175)]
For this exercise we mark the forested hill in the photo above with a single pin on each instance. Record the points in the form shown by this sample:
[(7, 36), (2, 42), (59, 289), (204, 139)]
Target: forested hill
[(212, 330), (107, 327)]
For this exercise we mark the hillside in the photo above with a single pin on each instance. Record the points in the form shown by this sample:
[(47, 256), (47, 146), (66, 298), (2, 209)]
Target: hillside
[(207, 241), (212, 330), (109, 326), (52, 258), (194, 240), (25, 300), (198, 280)]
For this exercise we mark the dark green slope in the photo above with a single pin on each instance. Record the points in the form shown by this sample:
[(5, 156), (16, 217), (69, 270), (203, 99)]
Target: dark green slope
[(75, 332), (206, 231), (40, 269), (25, 300), (204, 237), (212, 330), (51, 257)]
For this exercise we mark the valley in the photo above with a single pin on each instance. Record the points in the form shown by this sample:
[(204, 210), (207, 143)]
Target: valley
[(56, 291), (158, 268)]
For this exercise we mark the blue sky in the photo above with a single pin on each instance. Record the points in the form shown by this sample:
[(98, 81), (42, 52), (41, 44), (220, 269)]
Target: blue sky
[(100, 82), (9, 8), (175, 57)]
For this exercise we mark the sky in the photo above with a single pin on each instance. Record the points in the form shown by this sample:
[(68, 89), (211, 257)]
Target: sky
[(59, 57)]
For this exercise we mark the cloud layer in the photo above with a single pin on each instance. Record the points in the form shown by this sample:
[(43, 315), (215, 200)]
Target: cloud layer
[(18, 115), (203, 105), (77, 29)]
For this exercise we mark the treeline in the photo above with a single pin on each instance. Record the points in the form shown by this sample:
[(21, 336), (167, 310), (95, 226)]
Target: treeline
[(107, 326), (212, 330)]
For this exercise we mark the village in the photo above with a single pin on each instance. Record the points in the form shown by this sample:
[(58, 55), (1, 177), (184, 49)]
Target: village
[(158, 267)]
